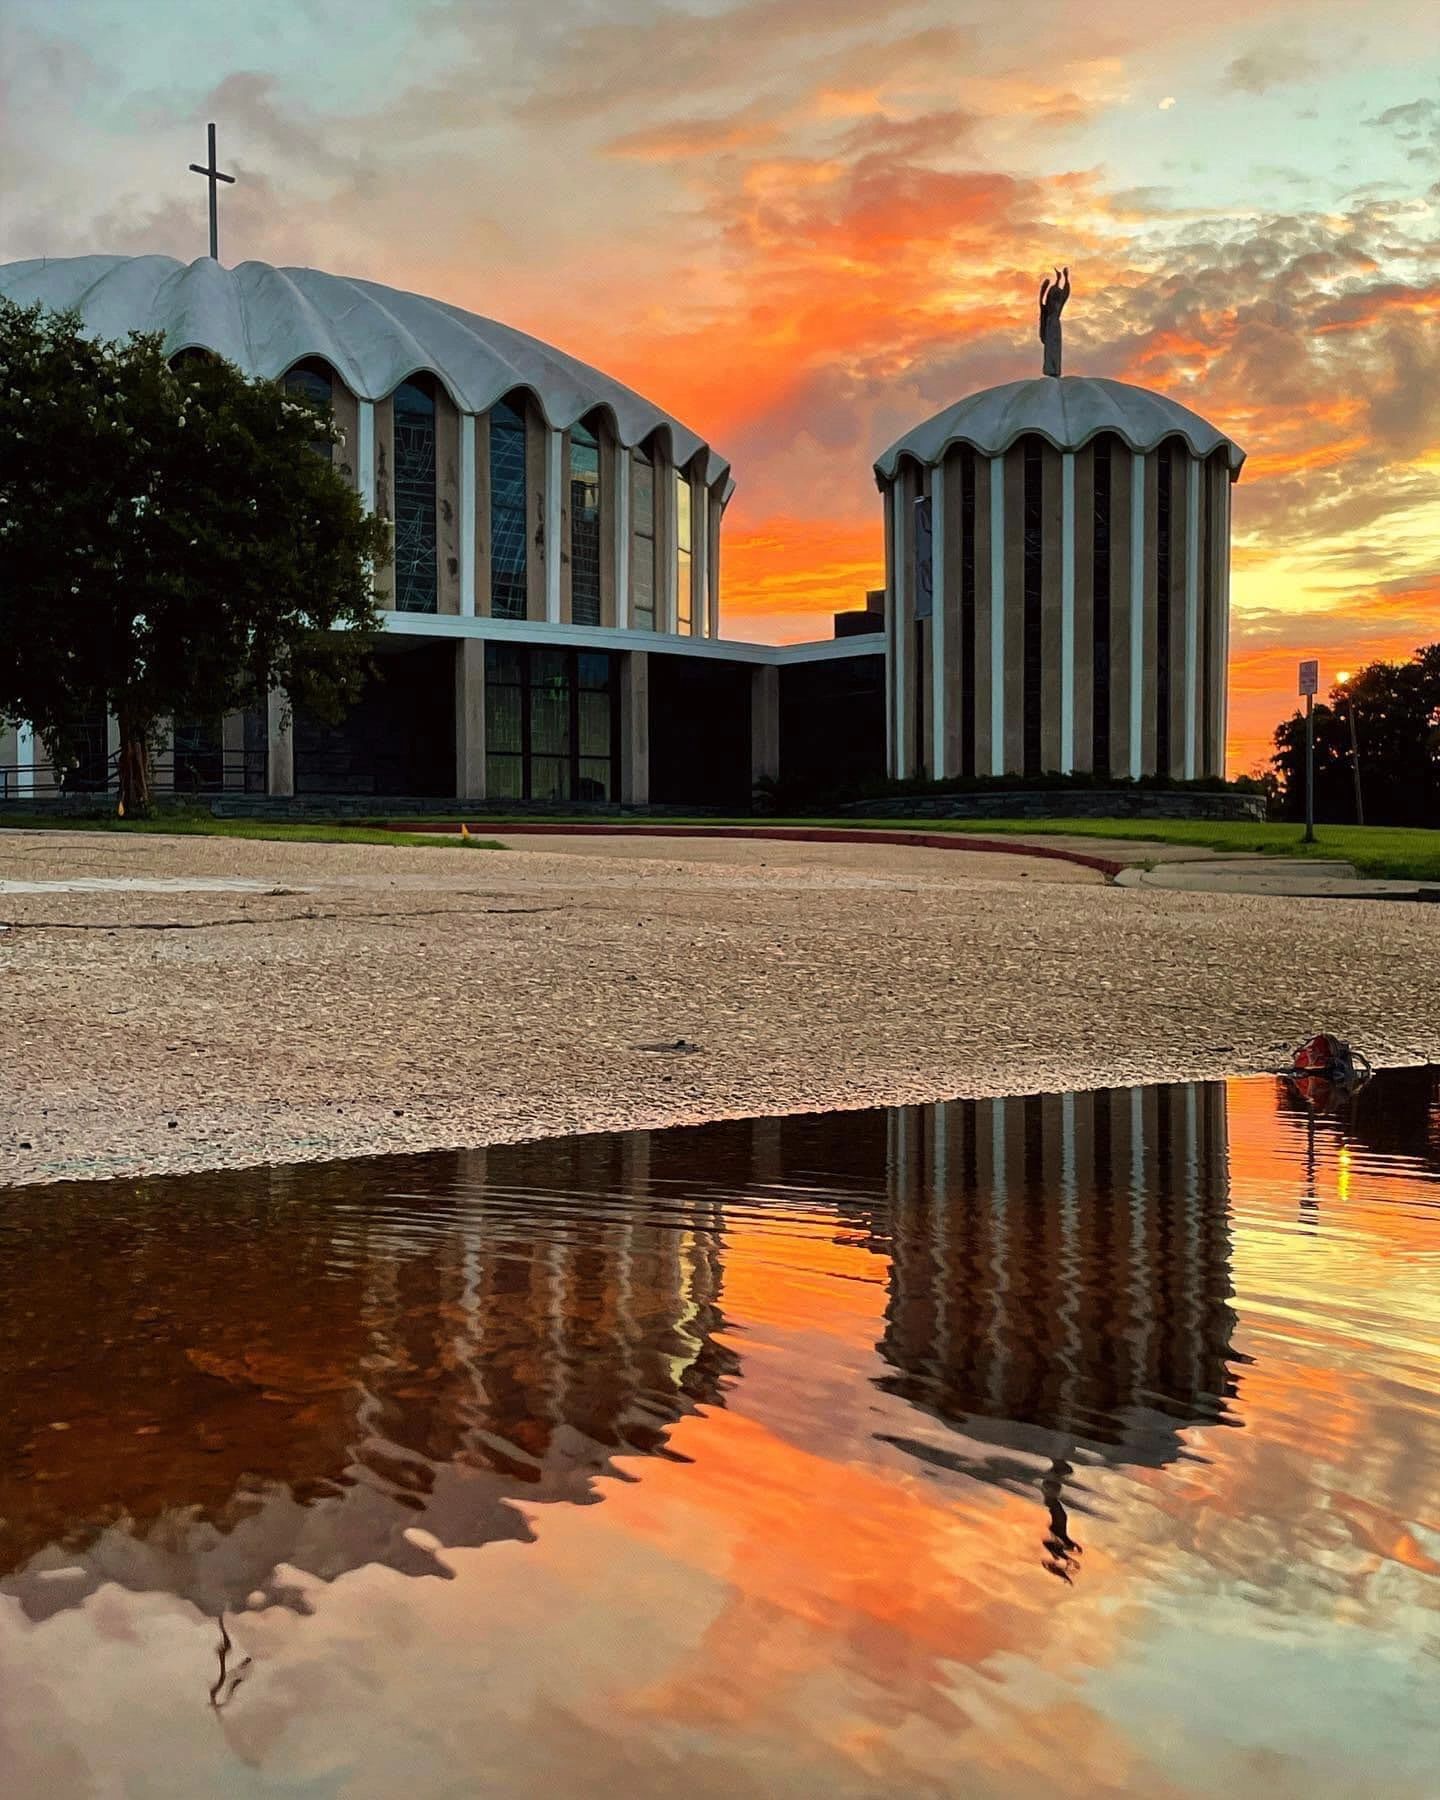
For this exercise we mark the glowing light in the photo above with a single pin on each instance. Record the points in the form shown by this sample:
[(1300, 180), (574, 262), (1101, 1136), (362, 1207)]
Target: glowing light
[(1167, 103)]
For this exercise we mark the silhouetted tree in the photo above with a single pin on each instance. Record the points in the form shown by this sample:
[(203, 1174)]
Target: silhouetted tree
[(1397, 725), (172, 546)]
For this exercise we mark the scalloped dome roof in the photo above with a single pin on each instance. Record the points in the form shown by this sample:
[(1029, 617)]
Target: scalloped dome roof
[(1066, 410), (266, 319)]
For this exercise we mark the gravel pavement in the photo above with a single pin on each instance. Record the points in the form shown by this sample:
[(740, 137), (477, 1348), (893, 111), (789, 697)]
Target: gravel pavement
[(177, 1003)]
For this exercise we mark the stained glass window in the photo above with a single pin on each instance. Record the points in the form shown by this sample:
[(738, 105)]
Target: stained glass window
[(508, 533), (415, 552), (584, 527), (642, 551), (312, 381), (684, 541)]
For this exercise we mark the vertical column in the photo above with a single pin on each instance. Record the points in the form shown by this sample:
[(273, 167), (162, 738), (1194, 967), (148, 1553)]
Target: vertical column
[(279, 746), (699, 559), (470, 718), (1067, 612), (716, 513), (365, 454), (996, 466), (1138, 543), (1192, 613), (467, 517), (449, 508), (25, 759), (1013, 673), (765, 723), (904, 613), (891, 603), (1224, 683), (940, 687), (1150, 711), (623, 481), (635, 728), (554, 456)]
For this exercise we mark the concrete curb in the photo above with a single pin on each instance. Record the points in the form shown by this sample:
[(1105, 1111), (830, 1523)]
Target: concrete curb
[(797, 834)]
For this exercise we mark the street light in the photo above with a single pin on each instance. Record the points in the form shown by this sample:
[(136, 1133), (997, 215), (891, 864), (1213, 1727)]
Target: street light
[(1342, 687)]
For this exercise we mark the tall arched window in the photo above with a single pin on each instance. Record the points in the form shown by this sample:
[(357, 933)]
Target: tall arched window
[(1034, 580), (642, 550), (508, 500), (584, 526), (1101, 552), (313, 381), (415, 553), (684, 545)]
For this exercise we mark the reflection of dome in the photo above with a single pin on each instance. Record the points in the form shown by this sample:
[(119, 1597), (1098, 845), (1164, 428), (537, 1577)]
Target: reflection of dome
[(267, 320), (1068, 413)]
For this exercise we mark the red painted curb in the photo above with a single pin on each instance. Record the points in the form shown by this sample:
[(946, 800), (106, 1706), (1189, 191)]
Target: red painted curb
[(799, 834)]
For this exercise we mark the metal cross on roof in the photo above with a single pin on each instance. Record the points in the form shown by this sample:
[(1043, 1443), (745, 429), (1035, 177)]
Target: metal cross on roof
[(212, 175)]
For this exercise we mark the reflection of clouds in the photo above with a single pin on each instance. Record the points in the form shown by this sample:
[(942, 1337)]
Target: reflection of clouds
[(755, 1345)]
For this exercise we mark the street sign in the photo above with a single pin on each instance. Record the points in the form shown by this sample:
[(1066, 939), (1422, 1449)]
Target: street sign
[(1309, 679)]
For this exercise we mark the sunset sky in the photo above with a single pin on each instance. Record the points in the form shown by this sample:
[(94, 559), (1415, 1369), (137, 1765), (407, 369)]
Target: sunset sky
[(804, 225)]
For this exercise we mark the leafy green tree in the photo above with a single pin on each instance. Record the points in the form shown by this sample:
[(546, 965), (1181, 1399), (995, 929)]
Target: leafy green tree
[(1396, 715), (171, 545)]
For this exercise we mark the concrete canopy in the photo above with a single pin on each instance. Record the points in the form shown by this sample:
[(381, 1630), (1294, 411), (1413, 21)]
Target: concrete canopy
[(1067, 411), (266, 319)]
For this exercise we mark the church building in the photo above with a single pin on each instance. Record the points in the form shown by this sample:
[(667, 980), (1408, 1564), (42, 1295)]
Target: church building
[(1056, 599)]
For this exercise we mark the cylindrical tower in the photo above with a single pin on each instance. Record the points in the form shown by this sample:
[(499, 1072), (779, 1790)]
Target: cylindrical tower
[(1057, 571)]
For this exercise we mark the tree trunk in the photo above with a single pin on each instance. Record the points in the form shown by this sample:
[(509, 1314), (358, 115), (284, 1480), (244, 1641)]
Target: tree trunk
[(134, 770)]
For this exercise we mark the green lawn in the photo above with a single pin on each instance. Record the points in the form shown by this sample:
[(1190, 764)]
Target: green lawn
[(1378, 850), (203, 825)]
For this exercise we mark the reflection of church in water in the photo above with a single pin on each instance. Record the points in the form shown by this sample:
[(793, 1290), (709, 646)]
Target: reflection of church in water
[(295, 1369)]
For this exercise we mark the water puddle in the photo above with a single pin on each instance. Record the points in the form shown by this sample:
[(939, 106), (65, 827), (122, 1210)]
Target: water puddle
[(1075, 1445)]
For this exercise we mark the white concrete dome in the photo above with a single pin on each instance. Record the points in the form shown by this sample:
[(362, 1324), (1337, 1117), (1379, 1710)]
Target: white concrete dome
[(265, 320), (1069, 412)]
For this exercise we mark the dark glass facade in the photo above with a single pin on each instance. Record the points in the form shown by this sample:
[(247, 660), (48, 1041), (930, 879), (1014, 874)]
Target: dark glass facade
[(416, 563), (584, 526), (1034, 572), (967, 611), (508, 499), (1104, 468), (551, 724), (642, 549)]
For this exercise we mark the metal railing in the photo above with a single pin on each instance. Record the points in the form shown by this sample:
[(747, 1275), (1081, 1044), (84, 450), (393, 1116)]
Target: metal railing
[(174, 772)]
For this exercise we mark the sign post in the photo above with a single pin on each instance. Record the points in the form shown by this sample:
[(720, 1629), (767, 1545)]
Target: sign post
[(1309, 686)]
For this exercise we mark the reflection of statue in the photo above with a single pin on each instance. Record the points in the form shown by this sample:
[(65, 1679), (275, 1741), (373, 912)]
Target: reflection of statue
[(1053, 295)]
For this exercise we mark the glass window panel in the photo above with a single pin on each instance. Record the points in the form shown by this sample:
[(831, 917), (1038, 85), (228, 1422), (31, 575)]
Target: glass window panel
[(504, 663), (416, 565), (594, 710), (595, 778), (550, 722), (549, 777), (503, 716), (643, 500), (682, 511), (312, 381), (549, 668), (592, 669), (682, 591), (504, 777), (509, 540), (584, 527)]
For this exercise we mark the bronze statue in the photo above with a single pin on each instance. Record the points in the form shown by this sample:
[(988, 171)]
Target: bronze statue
[(1053, 295)]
